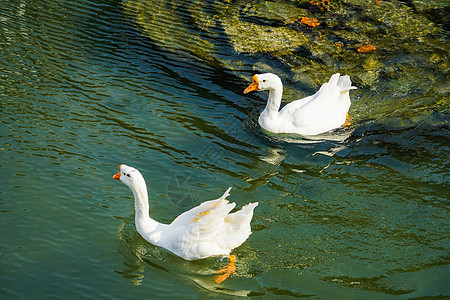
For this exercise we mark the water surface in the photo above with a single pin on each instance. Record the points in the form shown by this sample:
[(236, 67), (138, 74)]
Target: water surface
[(83, 90)]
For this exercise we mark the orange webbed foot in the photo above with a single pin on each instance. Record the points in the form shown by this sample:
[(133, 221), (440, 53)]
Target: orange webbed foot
[(226, 272), (348, 121)]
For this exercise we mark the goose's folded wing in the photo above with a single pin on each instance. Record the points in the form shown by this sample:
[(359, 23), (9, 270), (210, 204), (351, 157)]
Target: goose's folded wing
[(208, 223), (336, 85), (186, 218), (326, 99), (329, 89), (308, 107)]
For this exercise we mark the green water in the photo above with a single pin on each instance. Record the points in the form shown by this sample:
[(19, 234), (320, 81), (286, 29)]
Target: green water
[(84, 87)]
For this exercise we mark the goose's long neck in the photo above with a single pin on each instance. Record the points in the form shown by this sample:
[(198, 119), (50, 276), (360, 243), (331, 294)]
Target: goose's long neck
[(144, 224), (274, 102)]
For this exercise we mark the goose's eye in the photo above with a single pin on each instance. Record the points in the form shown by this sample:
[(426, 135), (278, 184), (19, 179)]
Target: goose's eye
[(264, 80)]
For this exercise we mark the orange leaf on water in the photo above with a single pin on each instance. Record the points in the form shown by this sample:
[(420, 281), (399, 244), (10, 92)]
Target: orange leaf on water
[(366, 48), (310, 21), (339, 44)]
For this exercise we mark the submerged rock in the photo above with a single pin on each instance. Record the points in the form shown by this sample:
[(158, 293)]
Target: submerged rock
[(247, 37)]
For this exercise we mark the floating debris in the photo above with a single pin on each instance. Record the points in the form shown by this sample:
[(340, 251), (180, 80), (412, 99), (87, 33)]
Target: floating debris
[(310, 22), (339, 44), (367, 48)]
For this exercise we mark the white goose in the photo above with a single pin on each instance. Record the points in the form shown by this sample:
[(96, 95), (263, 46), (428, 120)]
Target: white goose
[(206, 230), (327, 109)]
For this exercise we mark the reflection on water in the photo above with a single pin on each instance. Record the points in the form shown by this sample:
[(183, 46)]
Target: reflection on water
[(360, 213), (274, 156)]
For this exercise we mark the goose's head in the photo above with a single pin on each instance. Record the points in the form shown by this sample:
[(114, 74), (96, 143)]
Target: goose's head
[(129, 176), (266, 81)]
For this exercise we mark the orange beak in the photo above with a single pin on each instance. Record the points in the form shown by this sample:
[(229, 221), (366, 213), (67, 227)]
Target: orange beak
[(254, 86), (117, 176)]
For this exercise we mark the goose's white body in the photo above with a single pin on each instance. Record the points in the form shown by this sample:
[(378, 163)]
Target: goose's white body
[(206, 230), (325, 110)]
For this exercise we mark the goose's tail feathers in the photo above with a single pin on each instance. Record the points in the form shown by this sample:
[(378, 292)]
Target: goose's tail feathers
[(344, 83)]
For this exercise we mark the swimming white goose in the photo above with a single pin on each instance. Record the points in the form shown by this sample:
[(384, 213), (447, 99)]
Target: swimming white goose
[(327, 109), (206, 230)]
